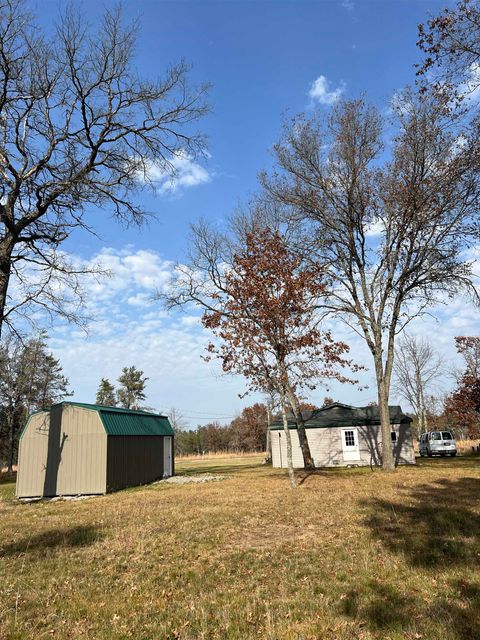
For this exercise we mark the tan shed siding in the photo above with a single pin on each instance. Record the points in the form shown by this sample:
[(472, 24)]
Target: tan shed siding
[(83, 461), (32, 457), (133, 460), (326, 446)]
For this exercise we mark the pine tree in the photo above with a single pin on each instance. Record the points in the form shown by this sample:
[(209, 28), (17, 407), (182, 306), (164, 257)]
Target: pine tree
[(31, 379), (106, 393), (132, 386)]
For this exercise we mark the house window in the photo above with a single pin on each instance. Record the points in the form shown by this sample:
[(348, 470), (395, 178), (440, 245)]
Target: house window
[(394, 436), (349, 438)]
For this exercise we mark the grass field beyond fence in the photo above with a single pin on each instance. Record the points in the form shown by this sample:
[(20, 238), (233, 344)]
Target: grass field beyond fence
[(350, 554)]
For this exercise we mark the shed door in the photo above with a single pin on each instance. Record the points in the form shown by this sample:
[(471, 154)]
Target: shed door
[(351, 450), (167, 456)]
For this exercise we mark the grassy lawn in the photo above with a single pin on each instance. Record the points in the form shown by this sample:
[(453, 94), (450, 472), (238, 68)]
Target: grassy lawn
[(350, 554)]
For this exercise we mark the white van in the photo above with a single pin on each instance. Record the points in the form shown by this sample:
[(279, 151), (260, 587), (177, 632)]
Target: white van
[(437, 443)]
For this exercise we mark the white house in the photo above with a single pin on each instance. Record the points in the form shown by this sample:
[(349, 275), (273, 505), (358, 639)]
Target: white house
[(341, 435)]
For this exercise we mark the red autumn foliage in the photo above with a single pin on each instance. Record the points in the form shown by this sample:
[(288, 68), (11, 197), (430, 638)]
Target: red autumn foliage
[(248, 431), (268, 322), (462, 407)]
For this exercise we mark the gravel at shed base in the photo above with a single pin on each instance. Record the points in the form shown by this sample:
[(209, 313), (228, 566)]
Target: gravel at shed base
[(60, 498), (201, 477)]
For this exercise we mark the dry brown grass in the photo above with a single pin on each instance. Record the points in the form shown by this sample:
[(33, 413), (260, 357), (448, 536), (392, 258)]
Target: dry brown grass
[(464, 447), (349, 555)]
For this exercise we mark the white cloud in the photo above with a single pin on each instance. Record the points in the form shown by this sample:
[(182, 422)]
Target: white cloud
[(375, 229), (184, 172), (143, 269), (140, 300), (321, 92), (471, 88), (348, 5), (190, 321), (128, 327)]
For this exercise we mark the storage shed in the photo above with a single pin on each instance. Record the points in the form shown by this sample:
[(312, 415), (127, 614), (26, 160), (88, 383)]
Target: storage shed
[(78, 448), (341, 435)]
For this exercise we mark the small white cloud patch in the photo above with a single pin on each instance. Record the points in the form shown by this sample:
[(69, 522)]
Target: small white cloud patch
[(322, 93), (375, 229), (184, 172)]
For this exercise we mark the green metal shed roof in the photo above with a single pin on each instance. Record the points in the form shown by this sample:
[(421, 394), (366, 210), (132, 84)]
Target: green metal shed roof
[(342, 415), (129, 422)]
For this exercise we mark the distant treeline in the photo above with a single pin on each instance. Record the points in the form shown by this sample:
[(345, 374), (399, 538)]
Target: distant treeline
[(248, 432)]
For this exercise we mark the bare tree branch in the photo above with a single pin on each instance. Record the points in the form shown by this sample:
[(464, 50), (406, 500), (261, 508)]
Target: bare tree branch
[(80, 128)]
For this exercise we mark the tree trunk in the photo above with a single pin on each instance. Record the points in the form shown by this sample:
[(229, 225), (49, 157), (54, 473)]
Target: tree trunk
[(423, 411), (268, 442), (383, 388), (388, 463), (7, 245), (383, 374), (11, 444), (308, 462), (288, 440)]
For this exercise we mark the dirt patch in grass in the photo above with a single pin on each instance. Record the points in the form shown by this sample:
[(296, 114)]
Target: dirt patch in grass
[(349, 555)]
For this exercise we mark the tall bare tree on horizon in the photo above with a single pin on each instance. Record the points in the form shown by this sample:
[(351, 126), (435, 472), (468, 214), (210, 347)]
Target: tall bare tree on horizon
[(417, 368)]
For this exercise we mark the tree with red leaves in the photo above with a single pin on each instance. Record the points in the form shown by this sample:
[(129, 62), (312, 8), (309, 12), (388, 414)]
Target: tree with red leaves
[(249, 429), (269, 329), (469, 348), (462, 407)]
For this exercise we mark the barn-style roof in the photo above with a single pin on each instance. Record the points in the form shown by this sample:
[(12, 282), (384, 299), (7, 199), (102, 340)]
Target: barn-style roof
[(342, 415), (128, 422)]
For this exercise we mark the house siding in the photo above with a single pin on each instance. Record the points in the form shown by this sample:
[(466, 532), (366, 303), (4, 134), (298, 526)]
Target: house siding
[(326, 446)]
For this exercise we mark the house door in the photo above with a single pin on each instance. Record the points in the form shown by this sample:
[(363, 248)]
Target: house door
[(351, 450), (167, 456)]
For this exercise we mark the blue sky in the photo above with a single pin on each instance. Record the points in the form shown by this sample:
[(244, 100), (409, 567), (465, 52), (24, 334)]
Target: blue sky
[(264, 59)]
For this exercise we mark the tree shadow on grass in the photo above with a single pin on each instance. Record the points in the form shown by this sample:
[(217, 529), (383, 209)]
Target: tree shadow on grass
[(384, 609), (462, 612), (380, 605), (52, 540), (435, 524)]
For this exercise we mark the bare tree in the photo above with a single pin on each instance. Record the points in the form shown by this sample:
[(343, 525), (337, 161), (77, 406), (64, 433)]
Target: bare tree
[(390, 231), (177, 420), (417, 368), (78, 128)]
